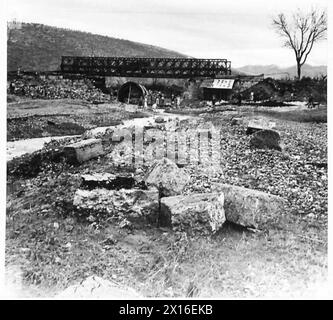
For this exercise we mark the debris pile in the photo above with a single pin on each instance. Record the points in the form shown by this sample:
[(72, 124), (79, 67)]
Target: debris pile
[(273, 90), (57, 89)]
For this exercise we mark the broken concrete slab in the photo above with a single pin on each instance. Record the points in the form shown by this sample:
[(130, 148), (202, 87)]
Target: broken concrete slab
[(83, 150), (129, 203), (167, 177), (116, 137), (266, 139), (200, 212), (236, 121), (120, 134), (255, 125), (108, 181), (251, 208)]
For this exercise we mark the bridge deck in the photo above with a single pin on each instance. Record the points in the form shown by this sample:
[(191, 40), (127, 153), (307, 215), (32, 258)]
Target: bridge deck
[(145, 67)]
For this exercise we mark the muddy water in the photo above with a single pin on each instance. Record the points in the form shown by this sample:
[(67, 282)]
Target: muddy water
[(20, 147)]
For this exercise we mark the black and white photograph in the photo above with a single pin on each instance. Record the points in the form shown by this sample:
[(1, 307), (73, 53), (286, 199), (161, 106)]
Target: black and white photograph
[(165, 150)]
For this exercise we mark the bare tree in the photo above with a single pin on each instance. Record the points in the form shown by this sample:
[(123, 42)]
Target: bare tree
[(301, 32)]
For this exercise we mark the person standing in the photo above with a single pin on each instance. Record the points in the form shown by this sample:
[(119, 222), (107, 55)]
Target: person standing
[(310, 101), (11, 88), (252, 96), (172, 100), (213, 100), (145, 102), (178, 102), (149, 98), (162, 100), (239, 99)]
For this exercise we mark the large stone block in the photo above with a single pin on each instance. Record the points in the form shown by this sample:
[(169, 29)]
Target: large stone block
[(108, 181), (266, 139), (167, 177), (251, 208), (255, 125), (124, 202), (84, 150), (201, 212)]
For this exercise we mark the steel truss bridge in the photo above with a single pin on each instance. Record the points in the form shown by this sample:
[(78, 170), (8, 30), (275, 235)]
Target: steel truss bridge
[(145, 67)]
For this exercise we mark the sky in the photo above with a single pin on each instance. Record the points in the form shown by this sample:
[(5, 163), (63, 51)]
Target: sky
[(237, 30)]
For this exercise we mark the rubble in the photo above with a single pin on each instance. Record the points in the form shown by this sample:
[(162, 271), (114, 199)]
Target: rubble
[(251, 208), (167, 177), (84, 150), (200, 212), (59, 89)]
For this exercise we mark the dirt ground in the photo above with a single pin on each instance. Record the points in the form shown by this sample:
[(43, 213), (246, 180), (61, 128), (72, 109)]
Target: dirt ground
[(48, 248), (34, 118)]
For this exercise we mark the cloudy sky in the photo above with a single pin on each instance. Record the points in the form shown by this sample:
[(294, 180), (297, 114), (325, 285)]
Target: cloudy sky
[(239, 30)]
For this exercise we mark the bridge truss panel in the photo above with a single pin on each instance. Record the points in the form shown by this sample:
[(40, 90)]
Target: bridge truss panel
[(145, 67)]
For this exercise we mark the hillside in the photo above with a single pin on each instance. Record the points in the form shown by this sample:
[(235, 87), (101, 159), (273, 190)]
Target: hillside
[(278, 72), (37, 47)]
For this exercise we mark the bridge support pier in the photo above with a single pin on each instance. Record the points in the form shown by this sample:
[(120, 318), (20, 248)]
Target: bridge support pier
[(193, 90)]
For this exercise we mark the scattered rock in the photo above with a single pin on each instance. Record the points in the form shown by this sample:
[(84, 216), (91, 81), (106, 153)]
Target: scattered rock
[(51, 123), (117, 137), (83, 150), (167, 177), (97, 288), (159, 120), (203, 212), (121, 134), (110, 241), (318, 164), (266, 139), (236, 121), (251, 208)]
